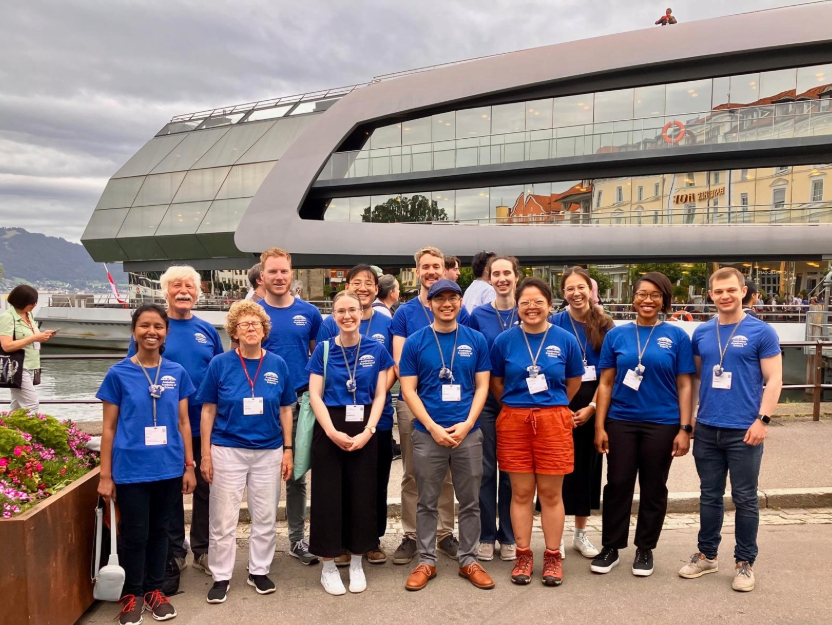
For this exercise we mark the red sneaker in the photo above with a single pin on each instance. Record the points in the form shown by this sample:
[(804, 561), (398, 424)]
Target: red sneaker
[(523, 565), (552, 568)]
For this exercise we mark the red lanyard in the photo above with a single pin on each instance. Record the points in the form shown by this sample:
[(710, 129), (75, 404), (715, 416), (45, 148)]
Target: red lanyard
[(245, 370)]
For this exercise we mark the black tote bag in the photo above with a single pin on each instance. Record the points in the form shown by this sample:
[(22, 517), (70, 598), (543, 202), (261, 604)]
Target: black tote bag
[(11, 366)]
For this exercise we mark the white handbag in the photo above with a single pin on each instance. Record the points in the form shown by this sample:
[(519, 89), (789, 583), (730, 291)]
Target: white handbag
[(109, 579)]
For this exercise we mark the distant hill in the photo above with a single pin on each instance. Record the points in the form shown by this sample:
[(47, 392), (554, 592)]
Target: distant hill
[(51, 262)]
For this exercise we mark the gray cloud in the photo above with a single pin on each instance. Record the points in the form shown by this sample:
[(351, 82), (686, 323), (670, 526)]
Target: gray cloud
[(90, 81)]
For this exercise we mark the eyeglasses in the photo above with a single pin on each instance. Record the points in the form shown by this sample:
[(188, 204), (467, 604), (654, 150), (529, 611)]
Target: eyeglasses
[(453, 299), (340, 312), (655, 296), (358, 284), (538, 303), (247, 325)]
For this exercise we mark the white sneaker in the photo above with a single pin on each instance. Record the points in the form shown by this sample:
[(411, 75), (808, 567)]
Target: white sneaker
[(562, 550), (485, 552), (508, 552), (698, 566), (331, 581), (358, 582), (581, 543), (744, 578)]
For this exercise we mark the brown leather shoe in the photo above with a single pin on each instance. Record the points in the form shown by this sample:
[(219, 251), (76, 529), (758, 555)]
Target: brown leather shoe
[(475, 574), (420, 577)]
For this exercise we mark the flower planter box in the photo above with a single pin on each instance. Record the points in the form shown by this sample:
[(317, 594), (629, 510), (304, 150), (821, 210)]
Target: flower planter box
[(46, 557)]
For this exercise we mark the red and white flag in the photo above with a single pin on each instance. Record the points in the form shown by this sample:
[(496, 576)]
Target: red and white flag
[(113, 286)]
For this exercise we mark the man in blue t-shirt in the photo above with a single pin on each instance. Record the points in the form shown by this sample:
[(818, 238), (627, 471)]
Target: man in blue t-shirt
[(295, 326), (735, 355), (444, 372), (409, 318), (191, 342)]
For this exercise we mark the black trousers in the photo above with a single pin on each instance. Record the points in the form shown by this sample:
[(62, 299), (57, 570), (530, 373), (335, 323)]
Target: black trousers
[(146, 510), (385, 460), (643, 450), (582, 487), (199, 514), (344, 504)]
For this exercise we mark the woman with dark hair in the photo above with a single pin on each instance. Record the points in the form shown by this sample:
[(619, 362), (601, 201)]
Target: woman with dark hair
[(536, 370), (588, 323), (146, 460), (642, 420), (19, 330)]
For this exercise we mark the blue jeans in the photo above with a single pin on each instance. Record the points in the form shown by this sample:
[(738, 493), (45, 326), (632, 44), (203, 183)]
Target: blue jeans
[(494, 496), (717, 452)]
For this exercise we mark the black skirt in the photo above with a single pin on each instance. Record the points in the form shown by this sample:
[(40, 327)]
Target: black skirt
[(582, 487)]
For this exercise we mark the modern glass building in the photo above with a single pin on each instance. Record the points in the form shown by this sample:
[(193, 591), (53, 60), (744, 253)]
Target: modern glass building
[(601, 150)]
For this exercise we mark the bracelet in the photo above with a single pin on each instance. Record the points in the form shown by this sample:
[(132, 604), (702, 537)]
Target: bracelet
[(189, 464), (288, 448), (593, 404)]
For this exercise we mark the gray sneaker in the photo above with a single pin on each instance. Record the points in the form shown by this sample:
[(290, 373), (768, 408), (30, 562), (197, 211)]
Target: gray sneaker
[(744, 578), (449, 546), (201, 563), (300, 550), (405, 552), (698, 566), (181, 563)]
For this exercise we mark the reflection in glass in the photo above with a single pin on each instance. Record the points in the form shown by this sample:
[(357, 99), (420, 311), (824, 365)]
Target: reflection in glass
[(745, 89), (444, 127), (201, 184), (416, 131), (780, 83), (233, 145), (222, 120), (471, 205), (505, 201), (271, 113), (572, 110), (313, 107), (539, 114), (443, 202), (274, 143), (159, 189), (244, 180), (149, 156), (614, 105), (182, 247), (190, 150), (142, 222), (182, 218), (386, 137), (120, 192), (506, 118), (721, 91), (225, 215), (474, 122), (358, 207), (683, 98), (649, 101), (177, 127), (813, 77), (104, 224), (385, 209)]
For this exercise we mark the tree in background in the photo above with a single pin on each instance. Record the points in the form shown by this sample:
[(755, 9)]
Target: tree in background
[(603, 280), (397, 210), (466, 277)]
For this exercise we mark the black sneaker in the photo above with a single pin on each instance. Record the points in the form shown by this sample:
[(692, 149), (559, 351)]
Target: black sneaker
[(643, 564), (300, 550), (605, 561), (159, 606), (262, 584), (397, 451), (449, 546), (218, 592), (131, 610), (406, 550)]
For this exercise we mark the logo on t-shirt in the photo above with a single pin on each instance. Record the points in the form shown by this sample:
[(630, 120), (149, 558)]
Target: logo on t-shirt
[(466, 351), (739, 341), (378, 337), (366, 361), (664, 342), (300, 320), (553, 351), (200, 338), (168, 381), (271, 377)]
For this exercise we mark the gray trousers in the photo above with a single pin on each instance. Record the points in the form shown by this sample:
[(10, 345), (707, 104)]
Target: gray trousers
[(295, 492), (431, 462)]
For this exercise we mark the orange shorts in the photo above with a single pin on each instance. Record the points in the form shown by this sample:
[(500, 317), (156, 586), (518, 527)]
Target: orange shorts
[(535, 440)]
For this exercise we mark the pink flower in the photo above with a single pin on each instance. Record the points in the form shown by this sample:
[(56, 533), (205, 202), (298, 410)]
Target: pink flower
[(18, 450), (40, 467), (4, 462)]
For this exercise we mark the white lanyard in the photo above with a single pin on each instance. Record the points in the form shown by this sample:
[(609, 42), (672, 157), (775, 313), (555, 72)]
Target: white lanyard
[(586, 336), (640, 368), (370, 323), (446, 373), (155, 388), (351, 384), (534, 370), (506, 326), (718, 370)]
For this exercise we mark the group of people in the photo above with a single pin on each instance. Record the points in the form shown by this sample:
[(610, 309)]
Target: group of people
[(498, 405)]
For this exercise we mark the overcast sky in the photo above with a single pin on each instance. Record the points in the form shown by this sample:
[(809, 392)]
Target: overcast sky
[(84, 84)]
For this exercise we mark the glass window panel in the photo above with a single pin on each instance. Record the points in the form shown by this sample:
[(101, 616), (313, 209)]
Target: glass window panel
[(649, 101), (472, 205), (190, 150), (386, 137), (120, 193), (505, 201), (104, 224), (142, 221), (224, 215), (271, 113), (182, 247), (159, 189), (183, 218), (693, 96), (222, 120), (721, 91), (474, 122), (444, 127), (274, 143), (778, 83), (313, 107), (385, 209), (220, 245), (812, 77), (572, 110), (416, 131), (201, 184), (142, 248), (177, 127), (442, 205), (745, 89), (613, 105), (149, 156), (359, 208), (233, 145), (420, 208), (539, 114), (506, 118), (244, 180), (338, 209)]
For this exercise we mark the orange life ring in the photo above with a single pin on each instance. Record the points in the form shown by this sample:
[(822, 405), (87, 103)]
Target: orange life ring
[(683, 315), (667, 138)]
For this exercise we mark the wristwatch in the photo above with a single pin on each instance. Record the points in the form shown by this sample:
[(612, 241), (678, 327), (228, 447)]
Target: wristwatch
[(764, 418), (371, 428), (686, 428)]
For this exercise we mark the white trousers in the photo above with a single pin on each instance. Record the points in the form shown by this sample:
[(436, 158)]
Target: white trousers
[(234, 470), (26, 396)]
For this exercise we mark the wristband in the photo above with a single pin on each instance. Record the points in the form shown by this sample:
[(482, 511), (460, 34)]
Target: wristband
[(288, 448), (189, 464), (593, 404)]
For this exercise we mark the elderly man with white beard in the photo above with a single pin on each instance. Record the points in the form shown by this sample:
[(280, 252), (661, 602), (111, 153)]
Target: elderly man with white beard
[(192, 343)]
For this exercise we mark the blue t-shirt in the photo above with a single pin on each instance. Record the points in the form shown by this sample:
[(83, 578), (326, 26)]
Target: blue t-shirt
[(412, 316), (491, 322), (225, 384), (377, 327), (372, 358), (192, 343), (420, 357), (563, 320), (560, 358), (668, 354), (126, 386), (292, 329), (738, 406)]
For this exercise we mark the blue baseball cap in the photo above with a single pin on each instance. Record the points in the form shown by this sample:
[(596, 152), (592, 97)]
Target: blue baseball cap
[(440, 286)]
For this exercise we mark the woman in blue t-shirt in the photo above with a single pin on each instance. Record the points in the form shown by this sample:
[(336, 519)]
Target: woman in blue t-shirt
[(246, 396), (146, 460), (347, 390), (588, 323), (642, 421)]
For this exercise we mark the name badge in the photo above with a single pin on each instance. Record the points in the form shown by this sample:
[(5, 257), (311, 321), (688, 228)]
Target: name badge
[(355, 414), (252, 406), (722, 381), (632, 379), (36, 345), (589, 374), (537, 384), (156, 436), (451, 392)]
